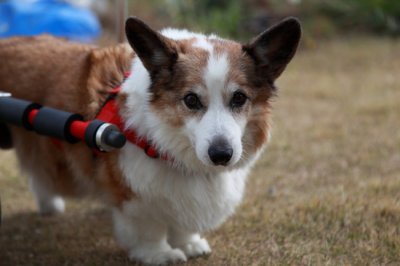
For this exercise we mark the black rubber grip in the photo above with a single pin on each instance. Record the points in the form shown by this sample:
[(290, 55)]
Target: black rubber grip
[(113, 137), (16, 111), (55, 123), (90, 133)]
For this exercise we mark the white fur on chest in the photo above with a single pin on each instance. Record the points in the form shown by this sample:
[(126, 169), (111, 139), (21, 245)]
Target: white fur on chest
[(193, 202)]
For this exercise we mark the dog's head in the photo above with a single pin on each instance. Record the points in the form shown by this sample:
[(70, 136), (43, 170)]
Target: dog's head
[(214, 93)]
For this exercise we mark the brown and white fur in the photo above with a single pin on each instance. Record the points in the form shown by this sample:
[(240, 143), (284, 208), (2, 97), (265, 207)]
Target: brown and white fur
[(203, 100)]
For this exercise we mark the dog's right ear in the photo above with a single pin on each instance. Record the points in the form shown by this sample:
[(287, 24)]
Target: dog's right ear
[(273, 49), (154, 50)]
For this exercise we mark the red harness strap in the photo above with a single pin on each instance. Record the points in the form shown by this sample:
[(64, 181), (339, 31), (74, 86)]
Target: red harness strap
[(110, 113)]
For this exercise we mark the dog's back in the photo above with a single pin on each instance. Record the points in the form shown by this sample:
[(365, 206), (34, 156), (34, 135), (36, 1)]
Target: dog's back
[(30, 66), (63, 75), (60, 74)]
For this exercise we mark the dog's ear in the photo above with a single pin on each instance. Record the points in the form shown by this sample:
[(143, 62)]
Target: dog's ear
[(273, 49), (154, 50)]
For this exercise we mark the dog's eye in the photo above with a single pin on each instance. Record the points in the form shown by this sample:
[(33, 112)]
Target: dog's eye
[(238, 99), (192, 101)]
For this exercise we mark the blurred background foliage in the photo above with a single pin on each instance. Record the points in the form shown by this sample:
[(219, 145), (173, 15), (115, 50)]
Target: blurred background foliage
[(240, 19)]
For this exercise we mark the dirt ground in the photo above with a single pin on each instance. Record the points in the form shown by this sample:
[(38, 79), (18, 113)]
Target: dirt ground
[(326, 192)]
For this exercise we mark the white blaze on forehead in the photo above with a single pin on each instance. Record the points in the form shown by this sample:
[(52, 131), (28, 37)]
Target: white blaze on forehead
[(216, 72), (203, 44), (181, 34)]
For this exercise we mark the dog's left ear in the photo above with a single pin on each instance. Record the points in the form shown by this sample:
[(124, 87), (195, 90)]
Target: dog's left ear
[(273, 49), (154, 50)]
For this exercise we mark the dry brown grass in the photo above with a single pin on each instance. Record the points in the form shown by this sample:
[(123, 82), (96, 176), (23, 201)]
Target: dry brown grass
[(327, 192)]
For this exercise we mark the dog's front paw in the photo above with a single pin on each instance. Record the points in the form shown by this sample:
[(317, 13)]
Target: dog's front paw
[(163, 257), (196, 247)]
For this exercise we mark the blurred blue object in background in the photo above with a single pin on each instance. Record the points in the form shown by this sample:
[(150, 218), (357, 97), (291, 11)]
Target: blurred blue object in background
[(56, 17)]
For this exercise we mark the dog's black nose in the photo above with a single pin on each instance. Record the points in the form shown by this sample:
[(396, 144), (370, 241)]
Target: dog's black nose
[(220, 151)]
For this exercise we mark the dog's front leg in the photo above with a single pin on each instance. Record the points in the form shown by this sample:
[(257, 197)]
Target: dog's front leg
[(191, 243), (145, 239)]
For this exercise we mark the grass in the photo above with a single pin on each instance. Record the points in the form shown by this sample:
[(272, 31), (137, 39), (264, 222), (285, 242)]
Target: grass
[(326, 192)]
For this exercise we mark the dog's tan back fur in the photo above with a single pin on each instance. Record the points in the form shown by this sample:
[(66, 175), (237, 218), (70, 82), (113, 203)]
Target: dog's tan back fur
[(74, 78)]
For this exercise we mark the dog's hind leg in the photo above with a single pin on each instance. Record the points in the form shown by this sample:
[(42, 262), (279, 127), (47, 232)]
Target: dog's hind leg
[(191, 243), (48, 202)]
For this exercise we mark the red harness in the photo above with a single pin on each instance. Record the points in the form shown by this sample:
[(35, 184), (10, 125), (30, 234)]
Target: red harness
[(110, 113)]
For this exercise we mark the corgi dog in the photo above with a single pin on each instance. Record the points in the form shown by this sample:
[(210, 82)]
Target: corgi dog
[(202, 101)]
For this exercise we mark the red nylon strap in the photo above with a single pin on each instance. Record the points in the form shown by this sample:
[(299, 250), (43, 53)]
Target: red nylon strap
[(110, 114)]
